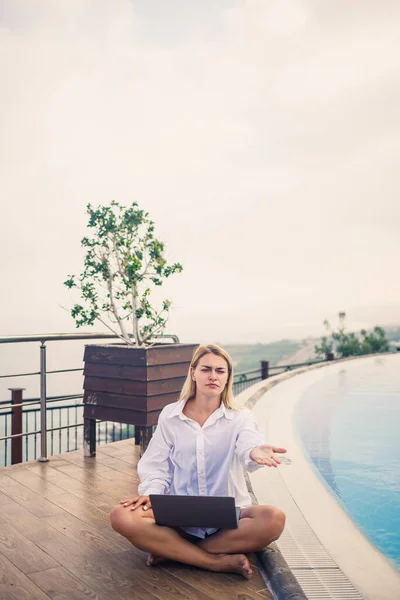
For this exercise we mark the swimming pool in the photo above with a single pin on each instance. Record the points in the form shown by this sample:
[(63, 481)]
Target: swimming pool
[(348, 423)]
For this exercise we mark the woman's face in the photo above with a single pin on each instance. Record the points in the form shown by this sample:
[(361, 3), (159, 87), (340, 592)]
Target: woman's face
[(210, 375)]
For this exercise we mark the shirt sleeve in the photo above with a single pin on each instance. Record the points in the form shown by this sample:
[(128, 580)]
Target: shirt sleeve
[(249, 436), (154, 468)]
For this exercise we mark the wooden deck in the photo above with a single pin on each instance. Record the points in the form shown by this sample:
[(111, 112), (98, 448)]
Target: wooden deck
[(56, 541)]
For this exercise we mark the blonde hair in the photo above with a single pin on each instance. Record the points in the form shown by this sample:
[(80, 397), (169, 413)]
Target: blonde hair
[(189, 387)]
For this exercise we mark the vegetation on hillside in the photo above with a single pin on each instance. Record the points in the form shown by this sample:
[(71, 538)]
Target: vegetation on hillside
[(344, 344), (247, 357)]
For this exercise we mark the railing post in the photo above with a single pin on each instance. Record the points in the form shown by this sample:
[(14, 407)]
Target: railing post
[(16, 425), (89, 437), (137, 435), (264, 369), (43, 402), (145, 437)]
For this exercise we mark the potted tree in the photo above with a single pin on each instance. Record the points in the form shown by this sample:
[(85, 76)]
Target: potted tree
[(131, 381)]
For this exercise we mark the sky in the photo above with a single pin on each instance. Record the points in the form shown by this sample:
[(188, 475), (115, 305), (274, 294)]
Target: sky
[(262, 136)]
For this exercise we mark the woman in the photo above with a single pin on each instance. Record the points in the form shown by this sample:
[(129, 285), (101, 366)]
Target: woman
[(200, 447)]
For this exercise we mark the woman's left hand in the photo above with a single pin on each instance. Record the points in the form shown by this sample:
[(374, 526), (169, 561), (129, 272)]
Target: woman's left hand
[(265, 455)]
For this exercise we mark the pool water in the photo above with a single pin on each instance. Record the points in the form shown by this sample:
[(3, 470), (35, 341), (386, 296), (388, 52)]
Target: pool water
[(349, 425)]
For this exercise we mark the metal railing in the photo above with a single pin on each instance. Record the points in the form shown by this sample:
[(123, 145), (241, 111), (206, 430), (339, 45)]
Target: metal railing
[(245, 379), (43, 411), (278, 369)]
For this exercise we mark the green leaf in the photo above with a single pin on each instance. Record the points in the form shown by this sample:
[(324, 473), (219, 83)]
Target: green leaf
[(122, 258)]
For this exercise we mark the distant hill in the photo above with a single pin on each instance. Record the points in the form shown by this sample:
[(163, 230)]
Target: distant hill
[(249, 356), (246, 357), (392, 333)]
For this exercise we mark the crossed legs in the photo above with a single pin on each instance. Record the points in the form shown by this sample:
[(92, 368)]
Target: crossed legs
[(258, 527), (223, 551)]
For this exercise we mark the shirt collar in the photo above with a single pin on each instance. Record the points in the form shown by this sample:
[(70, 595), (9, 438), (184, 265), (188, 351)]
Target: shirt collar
[(222, 410)]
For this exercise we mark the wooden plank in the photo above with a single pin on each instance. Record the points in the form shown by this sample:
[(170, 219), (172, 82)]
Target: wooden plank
[(228, 586), (21, 552), (4, 499), (36, 484), (98, 488), (67, 457), (124, 445), (129, 401), (5, 480), (93, 489), (108, 457), (55, 461), (127, 355), (89, 463), (106, 575), (64, 482), (116, 538), (135, 389), (120, 415), (86, 511), (120, 478), (119, 465), (136, 373), (11, 468), (155, 403), (60, 584), (118, 489), (14, 585), (127, 472), (82, 474), (115, 386), (170, 353), (79, 531), (165, 386), (168, 371), (160, 583), (106, 454), (42, 535), (115, 354), (127, 453), (36, 504)]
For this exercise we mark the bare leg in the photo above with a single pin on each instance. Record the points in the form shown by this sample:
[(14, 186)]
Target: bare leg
[(153, 560), (258, 527), (140, 528)]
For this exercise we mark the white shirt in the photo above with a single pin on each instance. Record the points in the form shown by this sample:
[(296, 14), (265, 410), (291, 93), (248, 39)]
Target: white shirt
[(187, 459)]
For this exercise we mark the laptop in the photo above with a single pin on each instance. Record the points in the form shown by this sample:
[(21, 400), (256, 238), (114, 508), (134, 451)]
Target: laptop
[(195, 511)]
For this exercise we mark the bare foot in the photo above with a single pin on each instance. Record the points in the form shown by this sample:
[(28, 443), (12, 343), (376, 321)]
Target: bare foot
[(152, 561), (234, 563)]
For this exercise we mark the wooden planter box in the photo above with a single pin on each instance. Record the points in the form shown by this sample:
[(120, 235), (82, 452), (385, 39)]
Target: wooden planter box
[(131, 385)]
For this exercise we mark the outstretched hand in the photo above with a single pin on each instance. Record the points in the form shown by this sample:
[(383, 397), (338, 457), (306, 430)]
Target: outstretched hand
[(265, 455)]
